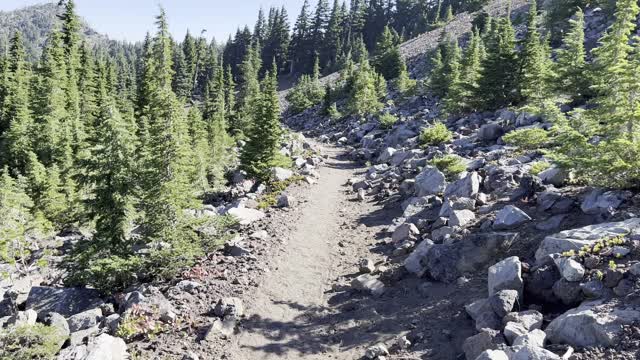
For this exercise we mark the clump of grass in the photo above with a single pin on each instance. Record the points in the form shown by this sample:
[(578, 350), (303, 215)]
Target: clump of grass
[(450, 165), (387, 120)]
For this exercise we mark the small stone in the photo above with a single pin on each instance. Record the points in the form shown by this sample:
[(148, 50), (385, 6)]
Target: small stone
[(635, 269), (485, 340), (493, 355), (403, 343), (506, 275), (361, 195), (230, 306), (375, 351), (368, 283), (612, 277), (404, 232), (593, 289), (536, 337), (367, 266), (220, 328), (624, 287), (529, 319), (510, 217)]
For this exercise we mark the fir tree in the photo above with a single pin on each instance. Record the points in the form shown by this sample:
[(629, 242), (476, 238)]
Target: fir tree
[(300, 49), (167, 189), (498, 83), (17, 141), (200, 149), (572, 65), (264, 136), (471, 71), (536, 76), (15, 206), (249, 92)]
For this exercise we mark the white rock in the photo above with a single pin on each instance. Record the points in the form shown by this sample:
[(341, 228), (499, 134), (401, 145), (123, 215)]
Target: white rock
[(246, 216), (513, 330), (404, 231), (280, 174), (376, 351), (530, 352), (493, 355), (368, 283), (466, 187), (412, 262), (106, 347)]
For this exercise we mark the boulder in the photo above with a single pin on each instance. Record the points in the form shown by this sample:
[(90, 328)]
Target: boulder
[(484, 316), (280, 174), (529, 319), (430, 181), (592, 324), (588, 235), (532, 352), (221, 329), (229, 307), (368, 283), (106, 347), (366, 266), (246, 216), (413, 262), (598, 201), (376, 351), (404, 232), (490, 132), (536, 337), (285, 200), (85, 320), (503, 302), (386, 155), (493, 355), (568, 292), (58, 322), (570, 269), (461, 218), (466, 187), (485, 340), (512, 330), (64, 301), (506, 275), (554, 176), (510, 217)]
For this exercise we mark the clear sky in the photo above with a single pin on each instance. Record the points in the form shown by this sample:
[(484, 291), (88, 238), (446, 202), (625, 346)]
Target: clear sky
[(131, 19)]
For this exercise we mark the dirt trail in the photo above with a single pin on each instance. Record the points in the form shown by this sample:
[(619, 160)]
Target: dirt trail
[(278, 325)]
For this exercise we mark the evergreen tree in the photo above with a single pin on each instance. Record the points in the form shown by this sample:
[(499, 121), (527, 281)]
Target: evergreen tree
[(181, 84), (572, 65), (229, 94), (536, 70), (200, 149), (334, 35), (365, 91), (264, 136), (218, 140), (259, 30), (249, 92), (167, 188), (498, 83), (17, 141), (319, 29), (15, 206), (471, 72), (300, 49), (448, 17), (387, 58)]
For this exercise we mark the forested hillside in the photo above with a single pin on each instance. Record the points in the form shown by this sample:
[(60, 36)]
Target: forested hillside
[(35, 23), (491, 149)]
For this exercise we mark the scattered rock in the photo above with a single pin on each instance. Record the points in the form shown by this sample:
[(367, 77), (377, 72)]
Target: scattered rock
[(221, 329), (404, 232), (246, 216), (375, 351), (503, 302), (510, 217), (368, 283), (367, 266), (229, 307), (570, 269), (64, 301), (485, 340), (461, 217), (280, 174), (430, 182), (506, 275), (536, 337), (85, 320), (466, 187)]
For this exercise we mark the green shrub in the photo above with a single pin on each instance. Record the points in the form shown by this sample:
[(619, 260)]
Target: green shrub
[(539, 166), (436, 135), (270, 198), (450, 165), (366, 88), (527, 139), (387, 120), (30, 342), (307, 93), (333, 112), (139, 323)]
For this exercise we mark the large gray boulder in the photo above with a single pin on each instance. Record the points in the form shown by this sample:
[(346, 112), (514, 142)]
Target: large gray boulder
[(598, 201), (506, 275), (461, 218), (466, 187), (510, 217), (591, 324), (485, 340), (577, 238), (64, 301), (85, 320), (554, 176), (490, 132), (430, 181)]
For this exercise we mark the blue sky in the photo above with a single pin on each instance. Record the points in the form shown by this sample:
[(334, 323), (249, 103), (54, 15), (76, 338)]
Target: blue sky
[(131, 19)]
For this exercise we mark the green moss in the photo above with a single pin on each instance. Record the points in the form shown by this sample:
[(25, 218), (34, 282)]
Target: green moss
[(29, 342)]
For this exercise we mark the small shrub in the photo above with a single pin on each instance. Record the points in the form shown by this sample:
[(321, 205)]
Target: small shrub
[(307, 93), (436, 135), (139, 322), (527, 139), (450, 165), (538, 167), (333, 112), (29, 342), (387, 120), (270, 198)]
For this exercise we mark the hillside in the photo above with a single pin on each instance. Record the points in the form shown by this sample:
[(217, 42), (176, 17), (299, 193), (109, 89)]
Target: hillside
[(35, 23)]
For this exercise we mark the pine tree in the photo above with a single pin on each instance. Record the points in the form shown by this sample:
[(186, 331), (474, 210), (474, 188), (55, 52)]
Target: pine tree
[(387, 58), (453, 78), (498, 83), (110, 170), (300, 49), (365, 91), (218, 140), (88, 91), (471, 71), (249, 92), (264, 136), (229, 94), (259, 30), (15, 206), (333, 41), (319, 29), (603, 145), (17, 141), (167, 189), (536, 76), (181, 84), (448, 17), (572, 65), (200, 149)]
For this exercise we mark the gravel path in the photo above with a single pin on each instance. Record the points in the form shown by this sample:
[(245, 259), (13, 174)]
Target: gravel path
[(281, 314)]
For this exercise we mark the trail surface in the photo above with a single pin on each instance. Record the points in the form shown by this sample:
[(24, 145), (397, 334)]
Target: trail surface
[(282, 315)]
